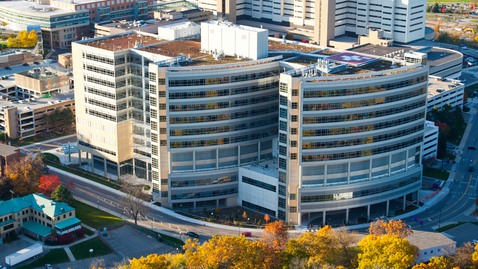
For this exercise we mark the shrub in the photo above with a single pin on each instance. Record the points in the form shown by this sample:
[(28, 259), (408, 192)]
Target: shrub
[(80, 232), (65, 239)]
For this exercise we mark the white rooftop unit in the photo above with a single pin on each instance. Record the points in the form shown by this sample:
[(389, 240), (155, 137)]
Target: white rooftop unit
[(234, 40), (179, 30)]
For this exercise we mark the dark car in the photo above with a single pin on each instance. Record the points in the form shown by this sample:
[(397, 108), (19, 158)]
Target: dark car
[(25, 64), (470, 168), (246, 234), (471, 147), (36, 62), (8, 68), (193, 234)]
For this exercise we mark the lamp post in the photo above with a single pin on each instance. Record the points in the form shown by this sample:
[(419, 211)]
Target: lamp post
[(123, 215), (439, 220), (12, 193), (91, 252)]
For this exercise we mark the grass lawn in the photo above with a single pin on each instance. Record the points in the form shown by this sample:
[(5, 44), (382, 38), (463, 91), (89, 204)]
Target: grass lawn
[(88, 231), (81, 250), (54, 256), (169, 240), (94, 217), (35, 139), (473, 20), (436, 173), (51, 157)]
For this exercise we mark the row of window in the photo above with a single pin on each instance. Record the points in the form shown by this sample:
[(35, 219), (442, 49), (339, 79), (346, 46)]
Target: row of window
[(223, 141), (224, 129), (227, 104), (222, 80), (363, 128), (259, 184), (357, 194), (364, 115), (362, 141), (224, 92), (202, 182), (196, 195), (221, 117), (364, 103), (363, 153), (365, 90), (117, 95), (258, 208), (97, 148)]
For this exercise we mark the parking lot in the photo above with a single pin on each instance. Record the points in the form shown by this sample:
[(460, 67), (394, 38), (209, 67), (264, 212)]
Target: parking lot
[(133, 243), (464, 233), (8, 249)]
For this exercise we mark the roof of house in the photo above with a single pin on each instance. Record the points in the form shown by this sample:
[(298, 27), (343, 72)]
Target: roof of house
[(67, 222), (36, 201), (36, 228), (6, 150)]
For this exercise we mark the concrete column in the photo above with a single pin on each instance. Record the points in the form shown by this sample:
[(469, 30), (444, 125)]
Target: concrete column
[(325, 176), (258, 151), (420, 159), (170, 162), (79, 157), (217, 159), (119, 173), (299, 220), (388, 207), (300, 178), (194, 206), (370, 170), (389, 165), (404, 202), (92, 162), (323, 218), (346, 216), (406, 160), (368, 212), (418, 199), (194, 160), (238, 155), (104, 161), (308, 216), (348, 174)]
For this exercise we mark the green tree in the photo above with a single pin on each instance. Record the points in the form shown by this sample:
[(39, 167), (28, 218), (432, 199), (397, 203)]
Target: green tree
[(60, 119), (460, 10), (441, 151), (436, 8), (289, 36), (62, 194)]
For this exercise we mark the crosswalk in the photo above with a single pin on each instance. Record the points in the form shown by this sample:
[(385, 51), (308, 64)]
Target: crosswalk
[(469, 193)]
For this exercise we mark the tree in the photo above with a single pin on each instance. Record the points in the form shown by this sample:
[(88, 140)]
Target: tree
[(22, 40), (267, 218), (436, 8), (48, 184), (386, 251), (62, 194), (443, 126), (133, 202), (437, 28), (218, 209), (60, 119), (460, 10), (441, 150), (276, 235), (25, 174), (392, 227), (289, 36), (244, 216), (464, 256)]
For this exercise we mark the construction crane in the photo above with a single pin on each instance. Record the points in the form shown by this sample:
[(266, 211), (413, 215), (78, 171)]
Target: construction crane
[(468, 30)]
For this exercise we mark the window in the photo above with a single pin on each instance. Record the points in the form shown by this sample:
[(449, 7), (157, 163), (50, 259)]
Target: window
[(282, 190), (164, 181), (259, 184), (293, 118), (281, 202), (295, 92), (293, 131), (293, 156), (293, 143), (295, 105), (70, 214), (293, 209), (292, 196)]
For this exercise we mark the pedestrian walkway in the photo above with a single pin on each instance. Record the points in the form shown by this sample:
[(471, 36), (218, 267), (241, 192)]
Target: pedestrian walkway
[(70, 255), (48, 141)]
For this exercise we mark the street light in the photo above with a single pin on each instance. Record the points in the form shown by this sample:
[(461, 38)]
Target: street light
[(439, 220), (91, 251), (123, 215), (12, 193)]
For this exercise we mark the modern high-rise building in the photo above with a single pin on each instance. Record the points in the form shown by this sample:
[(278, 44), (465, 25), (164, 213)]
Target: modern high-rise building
[(240, 119), (403, 21)]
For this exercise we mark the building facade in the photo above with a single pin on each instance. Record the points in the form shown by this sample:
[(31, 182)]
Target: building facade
[(402, 21), (430, 144), (8, 155)]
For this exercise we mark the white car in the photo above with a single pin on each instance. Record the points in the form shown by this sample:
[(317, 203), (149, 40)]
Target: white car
[(48, 266)]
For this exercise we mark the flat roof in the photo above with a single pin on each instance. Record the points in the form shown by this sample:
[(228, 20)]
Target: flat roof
[(434, 85), (130, 27), (439, 56), (292, 46), (36, 228), (192, 49), (67, 222), (39, 103), (122, 41), (272, 169), (352, 58), (378, 50), (6, 150), (371, 66), (26, 7), (238, 26)]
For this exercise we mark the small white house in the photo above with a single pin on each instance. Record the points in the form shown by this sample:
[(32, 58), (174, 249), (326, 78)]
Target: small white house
[(179, 30)]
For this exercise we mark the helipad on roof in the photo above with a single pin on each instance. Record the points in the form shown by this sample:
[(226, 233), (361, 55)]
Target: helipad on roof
[(351, 58)]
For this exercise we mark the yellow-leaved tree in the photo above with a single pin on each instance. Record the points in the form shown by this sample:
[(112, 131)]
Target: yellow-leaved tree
[(276, 235), (386, 251), (436, 263), (154, 261), (23, 40), (394, 227), (25, 175)]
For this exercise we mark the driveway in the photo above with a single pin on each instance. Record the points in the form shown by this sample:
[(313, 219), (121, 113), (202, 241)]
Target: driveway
[(463, 233), (8, 249), (133, 243)]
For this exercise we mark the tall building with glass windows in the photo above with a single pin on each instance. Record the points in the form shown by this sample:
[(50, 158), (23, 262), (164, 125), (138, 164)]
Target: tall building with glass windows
[(292, 130)]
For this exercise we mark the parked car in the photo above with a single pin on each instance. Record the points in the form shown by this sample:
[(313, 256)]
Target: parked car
[(470, 168), (193, 234), (8, 68), (25, 64), (471, 147), (246, 234), (450, 146), (36, 63), (48, 266)]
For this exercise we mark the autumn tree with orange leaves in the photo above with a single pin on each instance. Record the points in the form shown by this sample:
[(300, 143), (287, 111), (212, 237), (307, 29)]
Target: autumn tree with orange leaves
[(25, 174), (48, 184), (393, 227), (276, 235)]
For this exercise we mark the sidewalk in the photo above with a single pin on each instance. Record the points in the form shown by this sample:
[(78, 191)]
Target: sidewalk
[(48, 141)]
